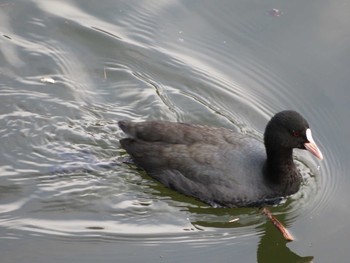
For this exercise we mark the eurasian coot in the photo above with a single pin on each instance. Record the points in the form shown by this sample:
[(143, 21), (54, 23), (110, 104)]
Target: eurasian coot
[(219, 166)]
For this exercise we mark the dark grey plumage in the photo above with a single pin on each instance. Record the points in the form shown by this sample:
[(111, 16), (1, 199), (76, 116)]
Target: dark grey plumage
[(217, 165)]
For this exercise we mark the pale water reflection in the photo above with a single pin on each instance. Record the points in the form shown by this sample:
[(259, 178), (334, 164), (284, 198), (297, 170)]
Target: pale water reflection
[(64, 193)]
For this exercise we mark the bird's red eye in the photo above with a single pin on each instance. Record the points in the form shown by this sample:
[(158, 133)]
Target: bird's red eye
[(296, 133)]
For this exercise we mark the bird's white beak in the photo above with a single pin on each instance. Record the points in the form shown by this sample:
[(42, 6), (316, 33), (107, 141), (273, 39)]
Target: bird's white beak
[(311, 145)]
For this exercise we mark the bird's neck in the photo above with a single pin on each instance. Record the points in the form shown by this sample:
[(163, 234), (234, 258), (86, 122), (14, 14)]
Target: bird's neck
[(279, 157), (281, 171)]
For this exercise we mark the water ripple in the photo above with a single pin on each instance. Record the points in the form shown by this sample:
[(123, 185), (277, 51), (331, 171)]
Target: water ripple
[(60, 142)]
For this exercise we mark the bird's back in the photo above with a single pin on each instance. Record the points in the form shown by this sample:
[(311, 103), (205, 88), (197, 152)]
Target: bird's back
[(215, 165)]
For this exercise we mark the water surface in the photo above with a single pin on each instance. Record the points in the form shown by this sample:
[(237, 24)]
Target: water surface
[(71, 69)]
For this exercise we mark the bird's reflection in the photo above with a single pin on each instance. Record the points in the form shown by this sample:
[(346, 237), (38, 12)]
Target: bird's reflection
[(272, 246)]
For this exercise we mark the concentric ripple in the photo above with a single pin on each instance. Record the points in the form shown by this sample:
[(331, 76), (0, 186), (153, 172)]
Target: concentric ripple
[(62, 169)]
